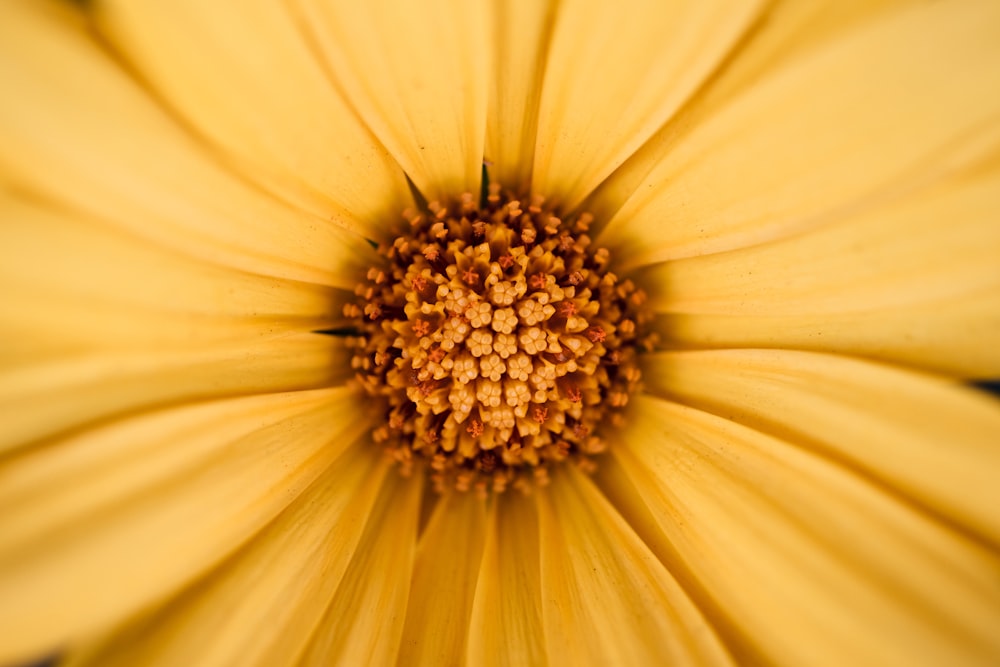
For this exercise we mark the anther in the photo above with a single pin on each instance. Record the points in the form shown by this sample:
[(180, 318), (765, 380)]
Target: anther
[(567, 308)]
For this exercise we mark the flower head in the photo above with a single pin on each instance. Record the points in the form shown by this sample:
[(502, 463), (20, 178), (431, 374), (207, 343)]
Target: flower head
[(284, 380)]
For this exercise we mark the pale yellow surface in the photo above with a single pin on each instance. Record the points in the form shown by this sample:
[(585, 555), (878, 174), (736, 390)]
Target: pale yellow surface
[(809, 562), (418, 74), (614, 73), (98, 526), (606, 599), (278, 584), (895, 104), (99, 322), (444, 582), (925, 438), (786, 31), (81, 133), (506, 628), (249, 83), (521, 30), (913, 280), (369, 607)]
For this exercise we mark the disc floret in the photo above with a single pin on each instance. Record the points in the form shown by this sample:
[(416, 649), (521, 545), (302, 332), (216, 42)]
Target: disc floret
[(498, 341)]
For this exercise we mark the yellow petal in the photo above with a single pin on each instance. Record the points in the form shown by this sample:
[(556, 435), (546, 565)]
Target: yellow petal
[(506, 626), (915, 280), (899, 101), (364, 624), (444, 581), (808, 562), (521, 32), (418, 75), (101, 525), (261, 606), (924, 438), (78, 130), (787, 31), (607, 599), (254, 89), (43, 398), (72, 282), (615, 73)]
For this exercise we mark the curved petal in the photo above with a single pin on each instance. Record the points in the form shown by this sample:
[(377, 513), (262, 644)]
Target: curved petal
[(787, 31), (615, 73), (905, 281), (96, 322), (928, 439), (77, 130), (254, 89), (893, 104), (42, 399), (101, 525), (73, 282), (444, 582), (808, 562), (418, 75), (260, 606), (521, 33), (608, 600), (364, 624), (506, 627)]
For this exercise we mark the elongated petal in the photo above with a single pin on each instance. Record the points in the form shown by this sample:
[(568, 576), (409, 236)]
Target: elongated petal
[(261, 606), (787, 31), (81, 132), (809, 562), (891, 105), (418, 75), (96, 527), (364, 624), (73, 282), (506, 626), (607, 599), (925, 438), (915, 281), (96, 322), (39, 400), (444, 581), (521, 33), (254, 88), (616, 72)]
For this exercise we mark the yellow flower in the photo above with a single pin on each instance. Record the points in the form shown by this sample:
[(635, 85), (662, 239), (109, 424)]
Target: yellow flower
[(808, 192)]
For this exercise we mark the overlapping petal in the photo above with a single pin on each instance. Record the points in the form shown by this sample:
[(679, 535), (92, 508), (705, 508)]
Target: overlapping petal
[(98, 526), (608, 600), (444, 582), (838, 128), (613, 74), (253, 87), (914, 281), (418, 74), (803, 560), (922, 437), (506, 625), (278, 584), (80, 132)]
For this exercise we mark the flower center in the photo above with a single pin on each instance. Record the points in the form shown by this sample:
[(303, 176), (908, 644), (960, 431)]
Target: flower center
[(498, 341)]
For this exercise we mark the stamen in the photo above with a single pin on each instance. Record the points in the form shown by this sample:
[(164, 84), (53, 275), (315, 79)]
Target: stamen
[(491, 373)]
